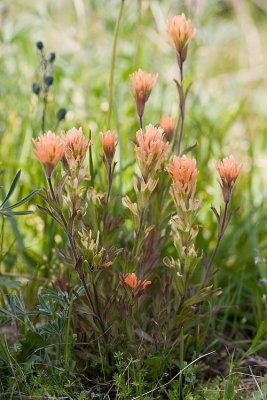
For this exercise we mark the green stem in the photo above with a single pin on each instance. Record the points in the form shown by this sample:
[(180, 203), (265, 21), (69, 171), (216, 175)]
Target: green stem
[(110, 170), (2, 240), (44, 110), (51, 188), (67, 347), (91, 164), (110, 179), (113, 62), (141, 122), (136, 243), (221, 230), (182, 112)]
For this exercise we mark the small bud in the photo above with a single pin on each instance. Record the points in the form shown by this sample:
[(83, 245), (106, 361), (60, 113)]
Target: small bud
[(36, 88), (39, 45), (142, 85), (181, 32), (51, 57), (228, 170), (48, 79), (109, 145), (168, 125), (61, 114)]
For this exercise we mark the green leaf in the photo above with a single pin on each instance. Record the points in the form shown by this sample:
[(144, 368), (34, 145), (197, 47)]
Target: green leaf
[(10, 213), (260, 332), (32, 342), (22, 212), (22, 201), (91, 164), (12, 188), (199, 296), (9, 283), (229, 390), (6, 213)]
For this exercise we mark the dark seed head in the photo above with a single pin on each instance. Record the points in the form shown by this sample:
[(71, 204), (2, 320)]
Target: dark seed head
[(51, 57), (61, 114), (36, 88), (39, 45), (48, 79)]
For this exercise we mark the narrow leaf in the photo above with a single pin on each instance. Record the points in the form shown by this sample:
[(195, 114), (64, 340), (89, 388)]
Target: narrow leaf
[(22, 212), (22, 201), (12, 188)]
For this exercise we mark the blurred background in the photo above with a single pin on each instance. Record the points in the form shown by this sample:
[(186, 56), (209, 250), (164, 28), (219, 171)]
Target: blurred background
[(226, 114)]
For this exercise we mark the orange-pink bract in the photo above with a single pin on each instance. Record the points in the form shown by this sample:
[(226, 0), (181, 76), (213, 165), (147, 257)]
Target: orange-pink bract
[(142, 84), (228, 170), (109, 145), (168, 125), (183, 172), (75, 145), (131, 281), (181, 31), (49, 149), (150, 150)]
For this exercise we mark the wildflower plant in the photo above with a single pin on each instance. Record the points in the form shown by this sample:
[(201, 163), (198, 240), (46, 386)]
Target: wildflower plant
[(131, 265), (41, 87)]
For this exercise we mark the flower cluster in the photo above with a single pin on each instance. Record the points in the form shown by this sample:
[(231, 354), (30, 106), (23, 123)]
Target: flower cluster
[(133, 284), (109, 145), (142, 85), (49, 149), (228, 170), (150, 150), (75, 146), (181, 33), (183, 172)]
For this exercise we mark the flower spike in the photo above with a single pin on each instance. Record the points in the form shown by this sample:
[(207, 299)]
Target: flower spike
[(49, 149), (228, 170)]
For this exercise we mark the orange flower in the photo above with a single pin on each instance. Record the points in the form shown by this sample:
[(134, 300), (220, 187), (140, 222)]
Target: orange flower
[(168, 125), (142, 84), (228, 170), (150, 150), (131, 282), (49, 151), (109, 146), (184, 173), (181, 31), (76, 145)]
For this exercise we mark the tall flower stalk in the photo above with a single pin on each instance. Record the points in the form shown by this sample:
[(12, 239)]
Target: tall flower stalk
[(109, 148), (229, 171), (113, 63), (151, 150), (181, 32), (183, 173)]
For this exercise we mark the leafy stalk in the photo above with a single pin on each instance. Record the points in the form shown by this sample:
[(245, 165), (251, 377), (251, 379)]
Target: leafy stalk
[(222, 223)]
